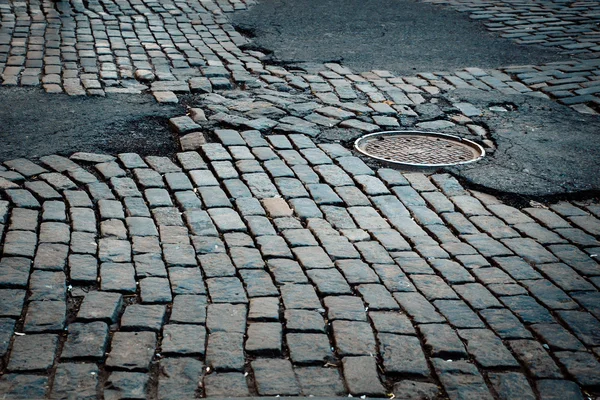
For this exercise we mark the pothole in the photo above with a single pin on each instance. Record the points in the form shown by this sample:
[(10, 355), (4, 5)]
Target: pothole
[(419, 149)]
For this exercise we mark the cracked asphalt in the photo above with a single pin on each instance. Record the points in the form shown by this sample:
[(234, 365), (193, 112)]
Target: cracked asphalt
[(34, 126), (405, 37)]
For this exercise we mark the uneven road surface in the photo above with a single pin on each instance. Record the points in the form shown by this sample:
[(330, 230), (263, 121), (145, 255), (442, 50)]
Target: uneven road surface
[(183, 214)]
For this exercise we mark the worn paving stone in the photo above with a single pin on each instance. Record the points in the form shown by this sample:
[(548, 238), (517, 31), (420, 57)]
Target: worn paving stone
[(11, 304), (117, 277), (23, 386), (555, 389), (188, 340), (298, 296), (361, 377), (225, 351), (188, 309), (142, 317), (79, 378), (264, 309), (353, 338), (418, 308), (318, 381), (131, 351), (14, 272), (155, 290), (226, 384), (275, 377), (527, 309), (264, 338), (226, 290), (535, 359), (583, 325), (86, 341), (402, 355), (345, 308), (415, 390), (121, 384), (487, 349), (582, 366), (7, 328), (461, 379), (511, 385), (226, 318), (33, 353), (309, 348), (186, 281), (304, 321), (103, 306), (179, 378), (45, 316), (505, 324), (442, 341)]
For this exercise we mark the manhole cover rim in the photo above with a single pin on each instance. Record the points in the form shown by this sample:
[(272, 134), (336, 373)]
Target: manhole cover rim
[(363, 140)]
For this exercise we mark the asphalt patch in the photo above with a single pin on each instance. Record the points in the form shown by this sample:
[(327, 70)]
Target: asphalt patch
[(402, 36), (34, 123), (542, 148)]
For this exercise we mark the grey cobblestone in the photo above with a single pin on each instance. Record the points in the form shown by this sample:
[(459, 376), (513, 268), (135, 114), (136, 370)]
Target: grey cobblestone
[(331, 235)]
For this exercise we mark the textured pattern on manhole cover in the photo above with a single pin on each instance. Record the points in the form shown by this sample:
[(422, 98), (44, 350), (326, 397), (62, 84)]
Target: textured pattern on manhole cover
[(419, 148)]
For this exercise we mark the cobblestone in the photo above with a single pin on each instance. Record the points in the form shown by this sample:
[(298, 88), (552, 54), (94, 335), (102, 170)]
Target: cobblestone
[(328, 268)]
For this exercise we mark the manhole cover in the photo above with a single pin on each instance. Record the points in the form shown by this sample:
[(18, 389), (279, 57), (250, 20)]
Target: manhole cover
[(421, 149)]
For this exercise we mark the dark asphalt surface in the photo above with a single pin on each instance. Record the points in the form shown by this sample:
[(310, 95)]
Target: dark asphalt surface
[(543, 148), (402, 36), (33, 124)]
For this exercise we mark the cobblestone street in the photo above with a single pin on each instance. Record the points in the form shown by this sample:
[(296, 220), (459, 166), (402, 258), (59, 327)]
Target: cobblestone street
[(266, 258)]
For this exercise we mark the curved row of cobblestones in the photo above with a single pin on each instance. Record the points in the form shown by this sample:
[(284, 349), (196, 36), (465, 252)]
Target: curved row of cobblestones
[(275, 266)]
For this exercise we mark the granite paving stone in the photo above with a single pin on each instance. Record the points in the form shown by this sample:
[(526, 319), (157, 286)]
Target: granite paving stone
[(142, 317), (121, 384), (353, 338), (275, 377), (131, 351), (535, 359), (180, 377), (582, 366), (183, 340), (442, 341), (402, 355), (309, 348), (318, 381), (226, 384), (24, 386), (45, 316), (264, 338), (33, 352), (225, 351), (361, 377), (86, 341), (234, 321), (80, 378), (487, 349), (103, 306), (461, 379)]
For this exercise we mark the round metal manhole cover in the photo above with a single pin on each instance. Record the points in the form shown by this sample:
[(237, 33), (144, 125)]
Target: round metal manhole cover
[(421, 149)]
